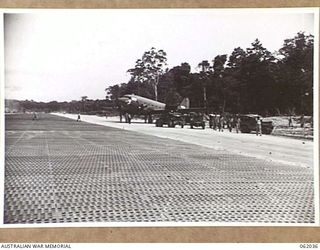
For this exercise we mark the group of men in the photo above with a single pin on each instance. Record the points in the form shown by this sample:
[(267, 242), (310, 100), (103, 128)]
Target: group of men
[(219, 122)]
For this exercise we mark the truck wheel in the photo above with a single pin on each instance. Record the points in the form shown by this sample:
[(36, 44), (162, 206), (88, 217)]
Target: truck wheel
[(159, 123), (267, 132)]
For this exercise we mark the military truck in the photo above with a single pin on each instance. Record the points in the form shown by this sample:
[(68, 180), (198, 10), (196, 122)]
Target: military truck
[(248, 124), (197, 119), (171, 119)]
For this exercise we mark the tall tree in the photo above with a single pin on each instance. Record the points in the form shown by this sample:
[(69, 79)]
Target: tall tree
[(252, 80), (260, 78), (295, 74), (219, 86), (205, 69), (149, 68), (237, 78), (83, 101), (179, 78)]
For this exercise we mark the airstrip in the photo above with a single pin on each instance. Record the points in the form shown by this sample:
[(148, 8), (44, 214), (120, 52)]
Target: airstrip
[(58, 170)]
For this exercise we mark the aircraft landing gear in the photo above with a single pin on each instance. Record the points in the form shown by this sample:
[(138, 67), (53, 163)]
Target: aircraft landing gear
[(127, 118)]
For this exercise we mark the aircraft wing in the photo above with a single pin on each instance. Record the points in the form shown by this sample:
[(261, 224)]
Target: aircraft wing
[(182, 111), (189, 110)]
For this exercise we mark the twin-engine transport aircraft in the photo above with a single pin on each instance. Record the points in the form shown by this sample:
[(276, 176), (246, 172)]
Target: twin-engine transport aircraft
[(130, 105)]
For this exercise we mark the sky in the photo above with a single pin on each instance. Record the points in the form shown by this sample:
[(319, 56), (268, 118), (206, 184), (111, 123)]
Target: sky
[(65, 54)]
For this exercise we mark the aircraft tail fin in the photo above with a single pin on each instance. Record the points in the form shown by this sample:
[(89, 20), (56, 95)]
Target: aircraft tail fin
[(185, 104)]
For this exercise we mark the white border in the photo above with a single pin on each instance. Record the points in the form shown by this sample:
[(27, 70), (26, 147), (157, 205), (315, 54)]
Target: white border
[(316, 114), (2, 119), (314, 11), (292, 10)]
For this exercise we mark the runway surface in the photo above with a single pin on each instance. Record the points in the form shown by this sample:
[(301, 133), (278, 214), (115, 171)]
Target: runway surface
[(60, 170), (279, 149)]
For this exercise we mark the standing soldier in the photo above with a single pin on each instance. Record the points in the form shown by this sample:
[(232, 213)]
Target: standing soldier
[(211, 117), (230, 123), (34, 116), (302, 121), (129, 118), (79, 118), (216, 122), (302, 124), (212, 121), (221, 123), (238, 123), (258, 126), (290, 121)]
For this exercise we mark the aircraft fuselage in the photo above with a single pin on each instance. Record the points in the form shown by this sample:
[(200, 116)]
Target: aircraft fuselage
[(135, 104)]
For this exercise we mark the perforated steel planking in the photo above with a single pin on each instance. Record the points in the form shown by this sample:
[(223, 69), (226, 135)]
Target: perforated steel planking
[(59, 171)]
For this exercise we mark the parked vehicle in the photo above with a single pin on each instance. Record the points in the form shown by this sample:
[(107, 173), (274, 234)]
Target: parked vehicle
[(197, 119), (171, 119), (248, 124)]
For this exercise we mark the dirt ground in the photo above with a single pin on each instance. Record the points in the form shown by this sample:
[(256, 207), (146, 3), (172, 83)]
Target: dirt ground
[(281, 126)]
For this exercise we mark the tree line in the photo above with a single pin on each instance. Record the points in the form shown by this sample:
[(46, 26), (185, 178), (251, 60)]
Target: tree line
[(251, 80), (85, 105)]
